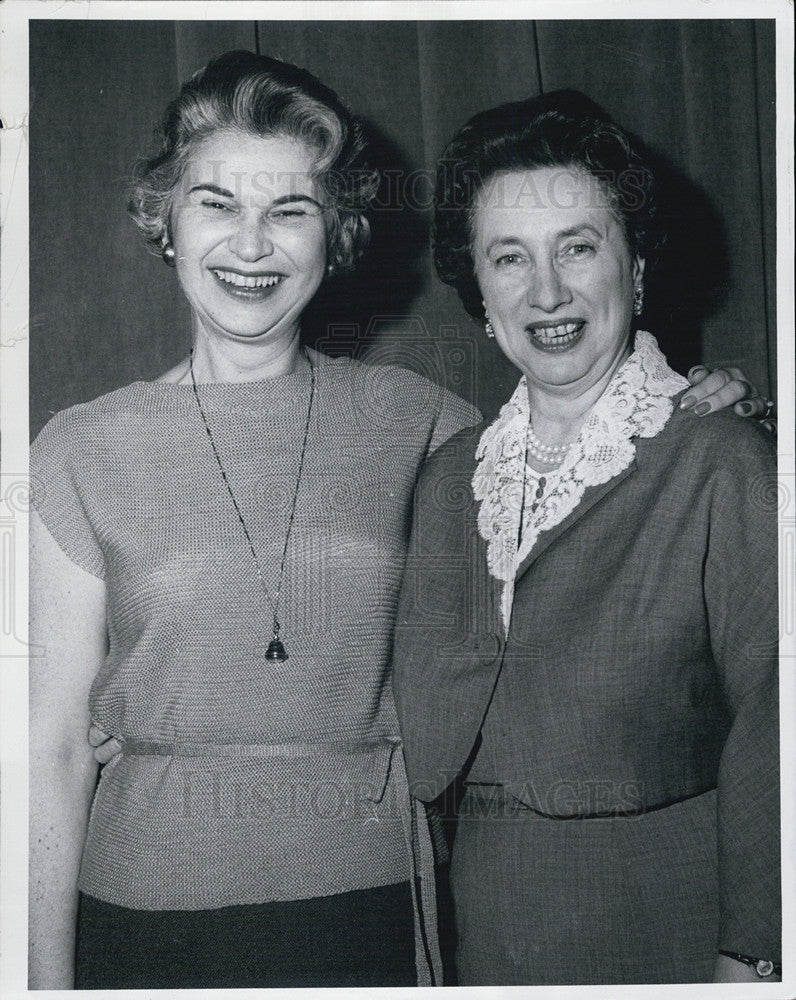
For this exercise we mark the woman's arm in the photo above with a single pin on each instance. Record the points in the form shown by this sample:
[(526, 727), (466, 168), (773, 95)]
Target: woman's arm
[(68, 631), (728, 970), (740, 585)]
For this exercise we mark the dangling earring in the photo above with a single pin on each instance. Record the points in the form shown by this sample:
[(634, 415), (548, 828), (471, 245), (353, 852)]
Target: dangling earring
[(638, 300), (487, 325), (169, 255)]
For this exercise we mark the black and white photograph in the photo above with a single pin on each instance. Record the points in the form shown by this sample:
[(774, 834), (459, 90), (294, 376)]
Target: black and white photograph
[(398, 497)]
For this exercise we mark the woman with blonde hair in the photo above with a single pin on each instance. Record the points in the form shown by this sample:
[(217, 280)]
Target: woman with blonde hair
[(215, 568)]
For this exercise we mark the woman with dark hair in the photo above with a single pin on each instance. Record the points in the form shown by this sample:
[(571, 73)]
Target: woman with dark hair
[(588, 630), (215, 570)]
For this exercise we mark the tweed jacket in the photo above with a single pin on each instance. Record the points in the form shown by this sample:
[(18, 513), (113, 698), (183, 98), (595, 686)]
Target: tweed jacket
[(640, 664)]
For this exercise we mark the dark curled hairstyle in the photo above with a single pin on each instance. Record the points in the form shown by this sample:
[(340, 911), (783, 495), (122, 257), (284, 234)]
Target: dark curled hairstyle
[(563, 128), (259, 96)]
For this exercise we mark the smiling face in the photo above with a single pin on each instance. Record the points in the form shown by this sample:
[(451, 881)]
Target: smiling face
[(556, 274), (249, 234)]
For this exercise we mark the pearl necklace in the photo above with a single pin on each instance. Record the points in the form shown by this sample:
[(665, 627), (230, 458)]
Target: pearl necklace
[(550, 454)]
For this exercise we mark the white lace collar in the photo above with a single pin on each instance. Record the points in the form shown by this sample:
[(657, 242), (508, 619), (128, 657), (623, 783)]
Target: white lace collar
[(637, 403)]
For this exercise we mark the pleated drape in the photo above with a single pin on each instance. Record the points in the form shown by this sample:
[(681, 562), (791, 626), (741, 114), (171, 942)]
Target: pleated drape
[(699, 93)]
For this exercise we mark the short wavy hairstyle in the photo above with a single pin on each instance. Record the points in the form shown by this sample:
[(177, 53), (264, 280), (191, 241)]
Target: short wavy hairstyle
[(563, 128), (260, 96)]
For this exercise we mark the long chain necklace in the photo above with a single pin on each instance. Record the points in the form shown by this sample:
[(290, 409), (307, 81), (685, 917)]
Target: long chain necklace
[(276, 649)]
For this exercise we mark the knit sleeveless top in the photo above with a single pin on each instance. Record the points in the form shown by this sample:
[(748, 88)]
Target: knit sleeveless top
[(244, 780)]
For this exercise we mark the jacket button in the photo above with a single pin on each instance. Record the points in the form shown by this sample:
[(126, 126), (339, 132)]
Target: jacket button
[(488, 645)]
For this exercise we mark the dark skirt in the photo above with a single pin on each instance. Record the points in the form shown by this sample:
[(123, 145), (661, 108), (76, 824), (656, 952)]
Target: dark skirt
[(362, 938), (584, 901)]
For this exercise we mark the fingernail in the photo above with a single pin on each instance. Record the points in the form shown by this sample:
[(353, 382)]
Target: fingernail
[(746, 409), (687, 401), (702, 409)]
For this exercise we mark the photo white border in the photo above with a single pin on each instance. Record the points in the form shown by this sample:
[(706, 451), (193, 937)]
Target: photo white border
[(14, 18)]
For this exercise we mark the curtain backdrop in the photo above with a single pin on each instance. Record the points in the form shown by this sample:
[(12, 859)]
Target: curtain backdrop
[(700, 93)]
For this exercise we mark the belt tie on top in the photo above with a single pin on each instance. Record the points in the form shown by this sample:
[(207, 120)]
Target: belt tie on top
[(387, 753)]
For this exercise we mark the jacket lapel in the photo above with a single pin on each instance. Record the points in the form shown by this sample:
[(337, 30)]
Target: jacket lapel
[(591, 496)]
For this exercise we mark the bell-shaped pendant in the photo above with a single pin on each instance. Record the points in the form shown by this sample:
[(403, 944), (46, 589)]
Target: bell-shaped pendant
[(276, 650)]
